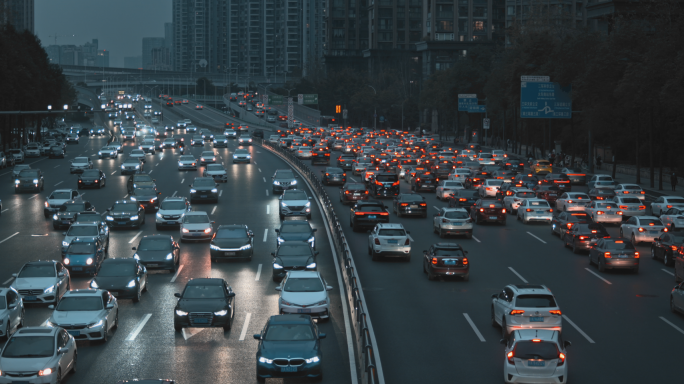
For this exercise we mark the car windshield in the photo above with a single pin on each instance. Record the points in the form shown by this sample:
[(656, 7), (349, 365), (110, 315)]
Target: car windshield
[(81, 160), (448, 252), (45, 270), (289, 332), (413, 198), (285, 175), (675, 201), (215, 167), (650, 222), (298, 284), (392, 232), (231, 233), (125, 207), (60, 195), (29, 173), (144, 191), (195, 219), (84, 303), (204, 292), (369, 208), (207, 153), (536, 350), (535, 301), (137, 152), (537, 203), (204, 183), (81, 249), (241, 152), (82, 230), (29, 346), (173, 205), (631, 186), (578, 196), (303, 249), (631, 200), (147, 244), (116, 269), (604, 183), (606, 205), (602, 191), (456, 215), (295, 195), (91, 173), (295, 228), (142, 178), (187, 158)]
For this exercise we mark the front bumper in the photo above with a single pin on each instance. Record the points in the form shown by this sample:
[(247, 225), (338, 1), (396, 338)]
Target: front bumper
[(231, 253), (76, 170), (159, 264), (123, 223), (84, 269), (307, 370), (203, 196), (187, 166), (220, 178), (37, 296), (129, 171), (317, 312), (196, 235), (124, 293), (26, 187), (289, 211), (281, 187), (241, 160), (208, 320)]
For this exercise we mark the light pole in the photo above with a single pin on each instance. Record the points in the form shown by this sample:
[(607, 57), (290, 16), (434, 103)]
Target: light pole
[(402, 114), (375, 109)]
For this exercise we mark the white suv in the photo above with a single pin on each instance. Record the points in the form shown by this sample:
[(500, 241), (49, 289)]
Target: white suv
[(171, 211), (304, 292), (490, 187), (389, 240), (88, 314), (525, 306)]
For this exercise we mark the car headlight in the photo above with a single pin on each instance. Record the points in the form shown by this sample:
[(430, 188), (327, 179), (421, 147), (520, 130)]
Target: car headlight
[(109, 218), (311, 239), (214, 247), (133, 218), (274, 183), (192, 190), (214, 190), (98, 324), (54, 217), (137, 166), (280, 240), (65, 244), (181, 313), (50, 324), (67, 261), (222, 312), (180, 164), (93, 284), (49, 289), (159, 215), (99, 153), (308, 204), (133, 198), (314, 359), (131, 284), (136, 256), (16, 181), (169, 256), (311, 266), (277, 266), (248, 246), (265, 360), (45, 372), (35, 181), (89, 261)]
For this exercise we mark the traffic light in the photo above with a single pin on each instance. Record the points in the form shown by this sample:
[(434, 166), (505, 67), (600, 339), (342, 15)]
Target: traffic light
[(338, 109)]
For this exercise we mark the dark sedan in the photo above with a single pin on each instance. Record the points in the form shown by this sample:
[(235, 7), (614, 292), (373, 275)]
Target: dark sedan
[(668, 246), (367, 214), (464, 198), (293, 256), (565, 220), (559, 179), (67, 213), (476, 179), (296, 230), (409, 204), (581, 237), (125, 214), (576, 175), (204, 189), (205, 303), (353, 192), (446, 259), (158, 252), (92, 178), (601, 194), (346, 161), (146, 196), (487, 211), (289, 347), (84, 256), (616, 253), (385, 184), (124, 278), (333, 175), (29, 180), (56, 151), (424, 181), (231, 242), (140, 180), (514, 165), (526, 180), (320, 156), (548, 192)]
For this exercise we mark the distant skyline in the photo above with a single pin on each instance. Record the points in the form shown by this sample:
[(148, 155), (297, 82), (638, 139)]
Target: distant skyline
[(119, 26)]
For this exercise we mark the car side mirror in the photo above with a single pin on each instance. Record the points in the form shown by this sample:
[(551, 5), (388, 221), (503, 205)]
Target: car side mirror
[(133, 248), (566, 344), (110, 306), (257, 336), (63, 350), (494, 296), (231, 294), (321, 336), (278, 288), (273, 254), (190, 185), (328, 288), (51, 306), (108, 209), (178, 295)]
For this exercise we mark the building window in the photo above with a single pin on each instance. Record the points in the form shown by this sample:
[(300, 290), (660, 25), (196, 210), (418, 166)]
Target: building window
[(480, 12), (445, 26), (511, 11), (479, 26), (463, 11)]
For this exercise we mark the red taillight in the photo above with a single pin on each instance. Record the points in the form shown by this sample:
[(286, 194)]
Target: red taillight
[(481, 209), (377, 241), (346, 192), (462, 199), (599, 212), (636, 255), (561, 359), (509, 355), (528, 210), (641, 229), (434, 261), (407, 242), (517, 312), (465, 261), (503, 210), (674, 247), (423, 204), (607, 254), (556, 312), (404, 204), (619, 212), (643, 192), (569, 225), (583, 237), (642, 207)]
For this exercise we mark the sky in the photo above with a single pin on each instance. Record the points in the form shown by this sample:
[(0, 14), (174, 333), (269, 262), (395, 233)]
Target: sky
[(119, 25)]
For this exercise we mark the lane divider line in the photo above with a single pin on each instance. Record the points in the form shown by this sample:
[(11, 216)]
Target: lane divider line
[(245, 326), (151, 170), (597, 275), (174, 193), (536, 237), (213, 209), (352, 179), (474, 327), (264, 179), (139, 327), (267, 192), (476, 239), (259, 169), (113, 172), (517, 274), (578, 329), (258, 274), (9, 237), (220, 193), (135, 237), (59, 183), (265, 234), (33, 197), (175, 275), (268, 209), (182, 180), (57, 166), (435, 207), (668, 272), (672, 325)]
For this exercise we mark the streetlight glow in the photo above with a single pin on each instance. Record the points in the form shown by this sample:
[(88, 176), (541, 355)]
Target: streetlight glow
[(49, 107), (66, 106)]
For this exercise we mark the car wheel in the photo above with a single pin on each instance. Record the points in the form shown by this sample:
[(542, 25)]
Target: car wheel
[(260, 379), (74, 363), (430, 276), (7, 331), (105, 333), (375, 256), (227, 327), (116, 320), (602, 265), (634, 242), (653, 255), (575, 250), (667, 259), (59, 376), (621, 234), (136, 299)]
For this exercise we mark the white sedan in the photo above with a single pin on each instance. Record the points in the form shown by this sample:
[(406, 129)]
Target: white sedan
[(304, 292), (663, 203), (446, 187), (490, 187), (673, 218), (534, 210), (517, 196), (217, 172), (642, 229), (459, 174), (94, 311), (631, 190), (630, 206), (573, 201), (605, 212)]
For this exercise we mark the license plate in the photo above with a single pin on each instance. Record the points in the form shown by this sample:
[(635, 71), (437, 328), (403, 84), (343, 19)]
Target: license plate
[(414, 206), (201, 321), (77, 268), (203, 196), (197, 234), (230, 253), (653, 232), (288, 369), (152, 265), (121, 222), (75, 333), (304, 310), (30, 298), (536, 319), (66, 222), (622, 256), (451, 273), (449, 262), (535, 363), (87, 183), (170, 222), (492, 217), (456, 223), (372, 216), (540, 211), (392, 242)]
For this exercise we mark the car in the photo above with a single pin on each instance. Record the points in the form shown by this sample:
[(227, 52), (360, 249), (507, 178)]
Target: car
[(513, 197), (345, 161), (525, 306), (302, 153), (353, 192), (677, 298), (203, 189), (146, 196), (92, 178), (668, 246), (333, 175), (171, 211), (58, 198), (197, 140), (559, 179), (446, 187), (294, 203), (463, 198), (534, 210), (452, 221), (525, 180), (181, 124), (125, 214), (601, 181), (242, 155), (304, 292), (80, 164), (575, 175), (476, 179), (86, 231), (206, 134), (207, 157), (148, 146), (663, 203), (140, 180), (11, 312), (84, 256), (32, 150), (614, 253), (582, 237), (604, 212), (193, 129), (541, 167), (196, 226), (673, 218), (53, 355), (535, 355), (601, 194), (446, 259), (384, 184), (488, 210), (43, 281), (205, 302), (138, 154), (124, 278), (88, 314), (289, 346), (66, 213), (16, 155), (29, 180), (361, 165), (230, 242), (217, 172), (389, 239), (108, 151), (642, 229), (409, 204), (320, 156), (232, 134), (564, 220), (158, 252), (244, 140), (187, 162), (56, 151), (630, 206), (572, 202), (198, 107), (489, 187), (72, 138), (293, 255), (297, 230), (220, 141), (423, 181), (284, 179)]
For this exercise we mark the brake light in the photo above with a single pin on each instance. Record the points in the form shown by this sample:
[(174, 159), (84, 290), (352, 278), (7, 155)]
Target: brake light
[(407, 242), (481, 209), (636, 255), (528, 210), (569, 225), (462, 199), (434, 261), (503, 210), (366, 192), (384, 214), (509, 355), (377, 241), (607, 254), (642, 207), (641, 229), (569, 201), (561, 358), (599, 212), (674, 247), (465, 261), (423, 204), (625, 192), (556, 312), (404, 204), (643, 192), (517, 312), (583, 237)]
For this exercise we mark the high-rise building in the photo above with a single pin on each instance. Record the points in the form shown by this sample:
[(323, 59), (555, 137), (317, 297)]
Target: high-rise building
[(168, 39), (53, 52), (149, 44), (568, 12), (346, 34), (102, 58), (19, 13)]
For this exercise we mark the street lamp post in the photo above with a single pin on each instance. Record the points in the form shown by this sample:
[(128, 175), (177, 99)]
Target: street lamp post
[(375, 110)]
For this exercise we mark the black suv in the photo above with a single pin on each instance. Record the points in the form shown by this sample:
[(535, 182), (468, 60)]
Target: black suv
[(320, 156), (293, 256), (67, 213), (205, 302), (385, 184), (203, 189), (424, 181), (367, 214)]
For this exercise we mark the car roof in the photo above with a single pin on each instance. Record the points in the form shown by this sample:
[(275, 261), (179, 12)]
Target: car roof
[(174, 198), (290, 319), (391, 225), (31, 331), (447, 246), (205, 281), (530, 288), (235, 226), (122, 260), (62, 190), (304, 274), (196, 213), (157, 236), (541, 334), (295, 222), (84, 292)]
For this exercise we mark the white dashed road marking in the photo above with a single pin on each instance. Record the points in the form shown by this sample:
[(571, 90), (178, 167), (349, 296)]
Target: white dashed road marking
[(265, 234), (597, 275), (476, 239), (139, 327), (668, 272), (578, 329), (213, 210), (59, 183), (245, 326), (258, 274), (135, 237), (472, 325), (175, 275), (672, 325), (517, 274), (536, 237)]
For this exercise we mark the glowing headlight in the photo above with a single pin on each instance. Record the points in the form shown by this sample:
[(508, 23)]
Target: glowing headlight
[(67, 261), (248, 246), (311, 266), (137, 166), (133, 198), (308, 204), (214, 247), (16, 181), (169, 256), (131, 284), (214, 190), (314, 359), (98, 324), (35, 181), (180, 164), (283, 204), (159, 215), (54, 217), (249, 156), (109, 218), (89, 261), (136, 257), (265, 360), (280, 240), (47, 205), (294, 182), (181, 313), (192, 190), (93, 284), (65, 244), (49, 289), (133, 218), (277, 266), (154, 198), (185, 230), (274, 183), (50, 324), (235, 157), (45, 372), (221, 312)]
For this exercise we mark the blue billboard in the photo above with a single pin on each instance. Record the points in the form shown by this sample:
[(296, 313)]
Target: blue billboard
[(545, 100)]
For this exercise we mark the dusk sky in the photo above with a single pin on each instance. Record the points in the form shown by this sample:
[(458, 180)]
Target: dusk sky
[(119, 25)]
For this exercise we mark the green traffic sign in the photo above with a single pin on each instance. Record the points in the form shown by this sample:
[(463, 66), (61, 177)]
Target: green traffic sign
[(311, 98), (275, 99)]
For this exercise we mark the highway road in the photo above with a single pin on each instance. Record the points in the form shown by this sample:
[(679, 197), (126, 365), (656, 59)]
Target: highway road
[(145, 344)]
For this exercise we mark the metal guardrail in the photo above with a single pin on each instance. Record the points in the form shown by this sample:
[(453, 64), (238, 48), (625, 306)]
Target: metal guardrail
[(364, 342)]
